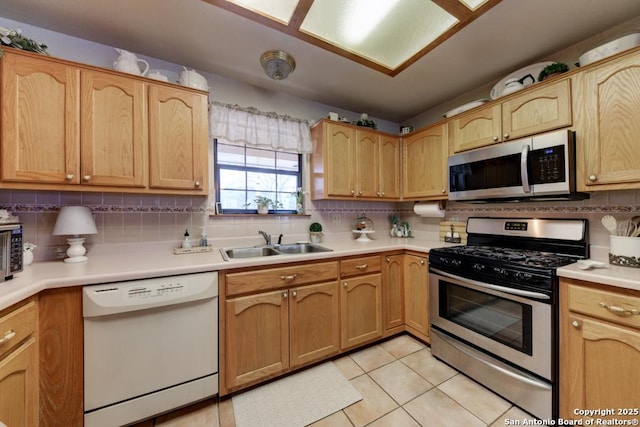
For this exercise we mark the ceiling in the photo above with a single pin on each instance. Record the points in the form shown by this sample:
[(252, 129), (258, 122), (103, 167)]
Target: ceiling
[(198, 34)]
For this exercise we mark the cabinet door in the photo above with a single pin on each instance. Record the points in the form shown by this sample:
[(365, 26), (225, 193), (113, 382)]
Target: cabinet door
[(599, 366), (424, 164), (392, 291), (389, 168), (178, 139), (314, 320), (475, 129), (607, 106), (361, 309), (19, 386), (257, 337), (40, 120), (416, 293), (339, 165), (539, 110), (114, 133), (367, 164)]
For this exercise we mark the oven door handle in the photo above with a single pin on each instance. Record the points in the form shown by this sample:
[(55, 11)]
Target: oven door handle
[(519, 292)]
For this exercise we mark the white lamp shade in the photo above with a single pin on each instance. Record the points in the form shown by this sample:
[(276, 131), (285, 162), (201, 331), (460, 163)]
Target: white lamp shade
[(74, 221)]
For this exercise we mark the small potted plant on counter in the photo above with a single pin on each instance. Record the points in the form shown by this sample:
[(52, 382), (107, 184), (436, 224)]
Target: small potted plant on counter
[(315, 232), (263, 204)]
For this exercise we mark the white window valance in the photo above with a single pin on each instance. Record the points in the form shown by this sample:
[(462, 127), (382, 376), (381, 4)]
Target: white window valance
[(258, 129)]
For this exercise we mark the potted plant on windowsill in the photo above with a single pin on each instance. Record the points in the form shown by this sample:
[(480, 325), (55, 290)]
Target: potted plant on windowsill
[(315, 232), (263, 204)]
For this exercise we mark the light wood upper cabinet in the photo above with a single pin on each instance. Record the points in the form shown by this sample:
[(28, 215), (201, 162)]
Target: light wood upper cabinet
[(389, 167), (177, 139), (416, 290), (477, 128), (537, 110), (424, 160), (607, 107), (69, 126), (534, 110), (113, 131), (40, 120), (350, 162), (19, 367), (599, 348)]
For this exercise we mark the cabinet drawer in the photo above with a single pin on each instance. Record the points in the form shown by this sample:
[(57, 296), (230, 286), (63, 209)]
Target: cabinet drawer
[(277, 278), (616, 307), (366, 265), (16, 326)]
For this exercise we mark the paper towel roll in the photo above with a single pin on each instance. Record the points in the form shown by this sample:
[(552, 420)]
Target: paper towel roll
[(429, 209)]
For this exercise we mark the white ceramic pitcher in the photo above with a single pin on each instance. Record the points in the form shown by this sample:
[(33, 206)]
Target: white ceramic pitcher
[(127, 62)]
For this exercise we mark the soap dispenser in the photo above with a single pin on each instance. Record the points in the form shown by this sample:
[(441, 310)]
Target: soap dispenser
[(203, 237), (186, 243)]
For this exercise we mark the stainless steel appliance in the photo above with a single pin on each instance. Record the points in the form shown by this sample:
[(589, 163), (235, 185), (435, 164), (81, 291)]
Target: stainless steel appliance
[(538, 167), (150, 346), (10, 250), (494, 305)]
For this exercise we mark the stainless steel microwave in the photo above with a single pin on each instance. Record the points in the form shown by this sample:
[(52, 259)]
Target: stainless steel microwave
[(10, 250), (539, 167)]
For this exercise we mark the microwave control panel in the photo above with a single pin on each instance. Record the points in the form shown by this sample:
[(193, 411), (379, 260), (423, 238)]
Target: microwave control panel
[(547, 165)]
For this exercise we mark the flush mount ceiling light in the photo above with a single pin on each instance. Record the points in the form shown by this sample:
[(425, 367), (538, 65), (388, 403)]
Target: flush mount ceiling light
[(384, 35), (277, 64)]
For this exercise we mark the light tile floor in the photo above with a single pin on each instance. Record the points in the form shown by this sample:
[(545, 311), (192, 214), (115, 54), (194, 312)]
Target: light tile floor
[(402, 385)]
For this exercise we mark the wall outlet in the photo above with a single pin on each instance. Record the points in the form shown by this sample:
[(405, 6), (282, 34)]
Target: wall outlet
[(336, 217)]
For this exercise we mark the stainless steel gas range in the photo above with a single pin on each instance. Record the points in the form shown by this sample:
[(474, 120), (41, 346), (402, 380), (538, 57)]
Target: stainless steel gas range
[(494, 305)]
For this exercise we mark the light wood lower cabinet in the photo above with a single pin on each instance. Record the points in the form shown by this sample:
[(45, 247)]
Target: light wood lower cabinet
[(266, 333), (599, 349), (416, 291), (361, 310), (19, 367), (393, 291)]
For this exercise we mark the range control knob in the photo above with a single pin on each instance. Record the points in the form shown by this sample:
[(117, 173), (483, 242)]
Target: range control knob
[(523, 276), (501, 271), (478, 267), (456, 262), (444, 260)]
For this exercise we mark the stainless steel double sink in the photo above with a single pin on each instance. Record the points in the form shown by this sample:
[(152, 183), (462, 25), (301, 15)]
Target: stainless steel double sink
[(271, 250)]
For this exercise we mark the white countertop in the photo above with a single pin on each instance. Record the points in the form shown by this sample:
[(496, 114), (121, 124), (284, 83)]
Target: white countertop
[(129, 262)]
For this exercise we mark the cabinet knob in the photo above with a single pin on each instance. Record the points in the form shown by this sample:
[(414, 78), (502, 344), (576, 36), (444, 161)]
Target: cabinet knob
[(387, 259), (506, 136), (359, 193), (382, 194), (593, 178), (285, 295), (344, 284), (86, 177), (443, 191), (353, 193), (378, 194), (495, 138), (575, 324), (421, 262), (289, 278), (295, 293), (197, 184), (69, 176)]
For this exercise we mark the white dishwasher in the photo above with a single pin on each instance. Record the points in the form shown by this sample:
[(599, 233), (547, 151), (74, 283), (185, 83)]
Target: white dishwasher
[(150, 346)]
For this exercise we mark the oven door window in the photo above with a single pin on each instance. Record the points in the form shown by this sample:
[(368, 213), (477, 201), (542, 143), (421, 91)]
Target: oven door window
[(505, 321)]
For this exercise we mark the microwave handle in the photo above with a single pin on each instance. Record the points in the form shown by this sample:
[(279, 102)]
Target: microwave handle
[(524, 171)]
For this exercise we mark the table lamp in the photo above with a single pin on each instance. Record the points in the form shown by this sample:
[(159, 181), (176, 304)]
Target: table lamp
[(74, 221)]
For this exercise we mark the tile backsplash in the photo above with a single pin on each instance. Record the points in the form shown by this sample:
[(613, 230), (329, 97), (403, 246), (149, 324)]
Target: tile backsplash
[(132, 218)]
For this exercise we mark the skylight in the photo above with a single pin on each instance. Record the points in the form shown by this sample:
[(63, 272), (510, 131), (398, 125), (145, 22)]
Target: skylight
[(386, 35)]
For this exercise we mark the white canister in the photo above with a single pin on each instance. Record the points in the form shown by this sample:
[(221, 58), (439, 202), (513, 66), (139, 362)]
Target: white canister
[(625, 251), (27, 257)]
